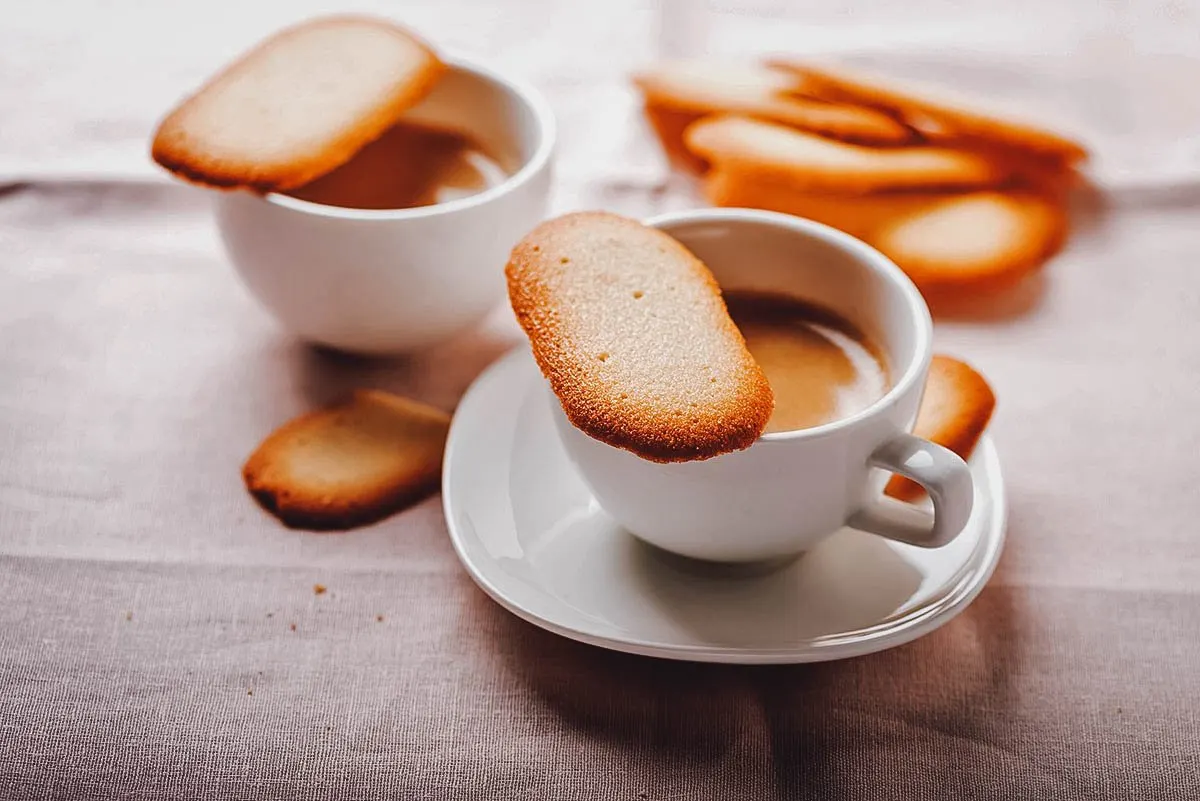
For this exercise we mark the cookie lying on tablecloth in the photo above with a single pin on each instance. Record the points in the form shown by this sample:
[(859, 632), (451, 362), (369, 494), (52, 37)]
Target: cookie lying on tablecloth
[(944, 241), (634, 337), (678, 93), (804, 161), (669, 126), (939, 114), (976, 241), (859, 215), (351, 464), (298, 105), (955, 410)]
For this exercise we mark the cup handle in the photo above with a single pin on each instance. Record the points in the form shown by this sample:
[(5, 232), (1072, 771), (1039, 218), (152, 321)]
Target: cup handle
[(944, 476)]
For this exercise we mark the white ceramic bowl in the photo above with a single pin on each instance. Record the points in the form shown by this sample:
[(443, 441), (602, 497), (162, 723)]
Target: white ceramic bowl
[(388, 281)]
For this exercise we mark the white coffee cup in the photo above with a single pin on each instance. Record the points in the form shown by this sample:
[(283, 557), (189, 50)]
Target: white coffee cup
[(386, 281), (789, 490)]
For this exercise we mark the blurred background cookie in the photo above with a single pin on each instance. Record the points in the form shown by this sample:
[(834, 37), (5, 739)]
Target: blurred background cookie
[(697, 88), (806, 161), (977, 242), (938, 113)]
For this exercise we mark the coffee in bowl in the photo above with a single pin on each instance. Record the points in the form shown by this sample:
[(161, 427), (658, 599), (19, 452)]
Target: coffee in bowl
[(411, 165), (819, 365)]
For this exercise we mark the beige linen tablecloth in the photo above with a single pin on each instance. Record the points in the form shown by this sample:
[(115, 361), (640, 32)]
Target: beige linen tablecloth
[(159, 634)]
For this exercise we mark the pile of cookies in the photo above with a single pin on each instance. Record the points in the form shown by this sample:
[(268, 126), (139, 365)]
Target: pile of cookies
[(961, 199)]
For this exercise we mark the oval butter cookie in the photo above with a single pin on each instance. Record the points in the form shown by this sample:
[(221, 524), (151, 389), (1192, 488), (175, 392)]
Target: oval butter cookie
[(955, 409), (633, 335), (699, 88), (941, 114), (813, 163), (298, 105), (981, 240), (350, 464)]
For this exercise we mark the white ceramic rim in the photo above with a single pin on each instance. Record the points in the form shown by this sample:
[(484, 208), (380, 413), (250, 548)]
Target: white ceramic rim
[(862, 252), (970, 579), (547, 133)]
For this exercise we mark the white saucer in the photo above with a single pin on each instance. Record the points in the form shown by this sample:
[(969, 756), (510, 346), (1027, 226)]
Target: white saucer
[(534, 539)]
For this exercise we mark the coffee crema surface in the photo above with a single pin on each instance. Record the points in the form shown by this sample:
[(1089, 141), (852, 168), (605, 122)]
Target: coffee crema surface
[(820, 366), (409, 166)]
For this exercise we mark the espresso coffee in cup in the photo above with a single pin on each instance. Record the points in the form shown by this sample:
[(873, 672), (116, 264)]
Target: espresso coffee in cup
[(411, 165), (820, 366)]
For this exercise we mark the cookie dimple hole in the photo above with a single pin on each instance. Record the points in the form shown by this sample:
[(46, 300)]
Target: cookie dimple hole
[(537, 248), (565, 260), (638, 294), (603, 356)]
